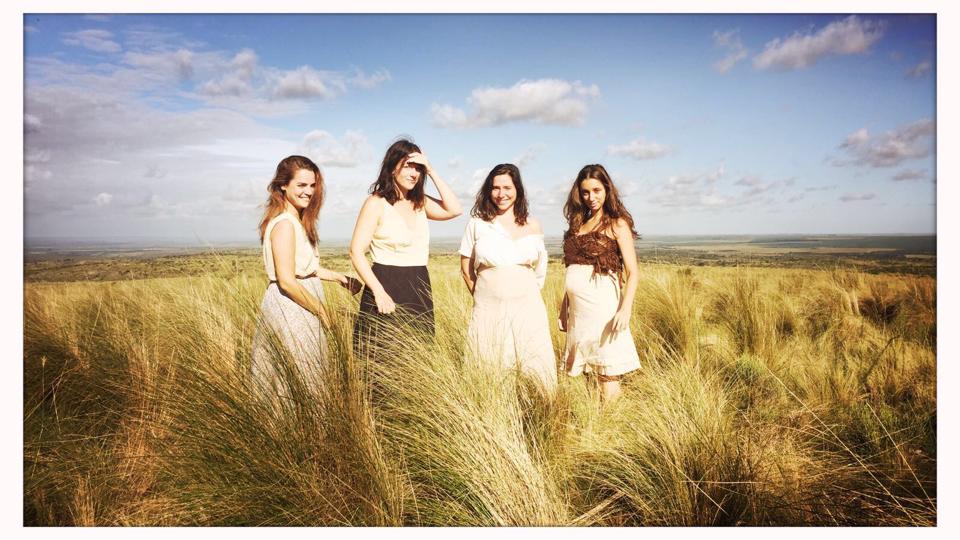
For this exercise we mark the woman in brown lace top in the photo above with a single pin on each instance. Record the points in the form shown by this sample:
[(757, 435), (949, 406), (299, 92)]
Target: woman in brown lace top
[(598, 253)]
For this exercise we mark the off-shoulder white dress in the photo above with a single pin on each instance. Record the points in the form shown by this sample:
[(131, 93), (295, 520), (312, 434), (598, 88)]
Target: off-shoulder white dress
[(508, 326)]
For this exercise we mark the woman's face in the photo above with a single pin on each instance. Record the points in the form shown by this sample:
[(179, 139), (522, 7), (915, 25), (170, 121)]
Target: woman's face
[(299, 190), (406, 175), (504, 193), (593, 194)]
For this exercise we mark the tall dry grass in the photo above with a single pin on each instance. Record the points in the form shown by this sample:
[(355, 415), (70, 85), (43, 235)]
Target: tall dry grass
[(766, 397)]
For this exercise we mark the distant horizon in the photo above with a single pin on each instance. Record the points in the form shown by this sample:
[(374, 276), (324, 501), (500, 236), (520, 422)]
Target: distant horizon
[(255, 241)]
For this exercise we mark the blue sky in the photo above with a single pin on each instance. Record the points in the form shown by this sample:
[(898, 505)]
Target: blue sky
[(171, 125)]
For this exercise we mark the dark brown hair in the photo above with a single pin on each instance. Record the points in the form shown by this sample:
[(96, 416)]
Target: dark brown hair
[(288, 167), (577, 213), (485, 209), (385, 185)]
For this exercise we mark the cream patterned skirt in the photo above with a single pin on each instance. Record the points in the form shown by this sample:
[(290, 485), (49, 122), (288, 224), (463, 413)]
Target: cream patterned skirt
[(508, 327), (592, 347), (288, 338)]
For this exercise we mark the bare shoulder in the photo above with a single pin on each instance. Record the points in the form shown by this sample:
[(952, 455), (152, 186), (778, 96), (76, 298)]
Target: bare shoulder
[(533, 225), (372, 204), (622, 229), (282, 229)]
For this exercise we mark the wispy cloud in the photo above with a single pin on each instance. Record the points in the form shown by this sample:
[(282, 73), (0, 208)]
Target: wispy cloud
[(854, 197), (528, 155), (639, 149), (362, 80), (92, 39), (851, 35), (695, 192), (911, 141), (758, 186), (729, 40), (911, 174), (919, 70), (324, 149), (103, 199), (543, 101), (177, 64), (245, 77)]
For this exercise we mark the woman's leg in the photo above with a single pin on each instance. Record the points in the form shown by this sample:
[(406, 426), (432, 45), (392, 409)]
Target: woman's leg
[(609, 387)]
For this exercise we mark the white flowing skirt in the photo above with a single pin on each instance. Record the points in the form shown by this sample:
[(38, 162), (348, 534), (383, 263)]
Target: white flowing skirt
[(285, 330), (509, 327), (592, 346)]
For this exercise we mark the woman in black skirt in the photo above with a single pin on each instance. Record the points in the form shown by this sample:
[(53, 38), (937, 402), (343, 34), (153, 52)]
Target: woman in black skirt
[(392, 225)]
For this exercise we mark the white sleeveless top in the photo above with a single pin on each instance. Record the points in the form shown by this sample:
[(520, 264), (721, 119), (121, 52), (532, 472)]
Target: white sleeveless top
[(307, 257), (395, 244), (491, 245)]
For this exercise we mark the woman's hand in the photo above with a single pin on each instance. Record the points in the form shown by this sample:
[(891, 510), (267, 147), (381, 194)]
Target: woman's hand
[(351, 284), (420, 159), (621, 320), (385, 304)]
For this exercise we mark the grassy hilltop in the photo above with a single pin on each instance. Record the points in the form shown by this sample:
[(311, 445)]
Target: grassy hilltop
[(767, 396)]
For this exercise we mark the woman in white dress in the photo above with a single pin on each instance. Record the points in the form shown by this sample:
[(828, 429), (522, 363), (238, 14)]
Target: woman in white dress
[(503, 262), (595, 311), (292, 315)]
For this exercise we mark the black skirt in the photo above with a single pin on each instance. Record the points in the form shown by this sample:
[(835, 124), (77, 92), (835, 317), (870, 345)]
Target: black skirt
[(409, 287)]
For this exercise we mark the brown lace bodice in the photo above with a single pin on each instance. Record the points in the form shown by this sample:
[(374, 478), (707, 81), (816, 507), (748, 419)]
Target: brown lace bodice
[(593, 248)]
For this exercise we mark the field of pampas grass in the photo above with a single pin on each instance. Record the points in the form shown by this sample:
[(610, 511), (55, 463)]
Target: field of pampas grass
[(766, 397)]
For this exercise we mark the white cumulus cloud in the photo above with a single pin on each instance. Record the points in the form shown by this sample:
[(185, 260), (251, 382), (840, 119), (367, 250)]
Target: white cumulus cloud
[(306, 82), (543, 101), (851, 35), (911, 141)]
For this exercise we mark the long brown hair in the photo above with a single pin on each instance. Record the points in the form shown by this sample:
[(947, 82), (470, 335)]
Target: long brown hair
[(577, 213), (484, 208), (276, 202), (386, 187)]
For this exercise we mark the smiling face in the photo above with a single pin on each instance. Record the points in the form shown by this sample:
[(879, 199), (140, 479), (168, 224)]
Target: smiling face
[(593, 194), (299, 190), (406, 175), (503, 193)]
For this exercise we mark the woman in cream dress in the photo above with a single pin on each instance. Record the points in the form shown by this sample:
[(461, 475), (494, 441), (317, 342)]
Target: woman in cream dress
[(503, 262), (292, 315), (595, 311)]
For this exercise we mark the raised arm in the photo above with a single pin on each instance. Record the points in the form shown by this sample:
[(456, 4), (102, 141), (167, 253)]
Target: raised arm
[(447, 206), (624, 236), (370, 214), (283, 243)]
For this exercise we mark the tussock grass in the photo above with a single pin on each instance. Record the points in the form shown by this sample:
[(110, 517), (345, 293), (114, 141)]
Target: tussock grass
[(766, 397)]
